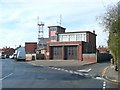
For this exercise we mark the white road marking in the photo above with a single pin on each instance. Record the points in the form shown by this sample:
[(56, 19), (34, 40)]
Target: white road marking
[(86, 74), (103, 88), (104, 82), (76, 73), (104, 85), (55, 68), (58, 69), (52, 67), (98, 78), (71, 71), (85, 70), (66, 70), (80, 74), (6, 76)]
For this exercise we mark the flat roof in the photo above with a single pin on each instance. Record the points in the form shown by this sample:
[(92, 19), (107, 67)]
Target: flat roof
[(31, 42), (79, 32), (56, 26)]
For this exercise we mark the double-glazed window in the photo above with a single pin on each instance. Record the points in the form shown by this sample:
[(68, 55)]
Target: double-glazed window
[(81, 37), (72, 37)]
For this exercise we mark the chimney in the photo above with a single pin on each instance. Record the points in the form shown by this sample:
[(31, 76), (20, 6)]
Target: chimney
[(94, 31)]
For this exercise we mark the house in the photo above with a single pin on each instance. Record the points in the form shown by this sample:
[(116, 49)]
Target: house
[(102, 49), (103, 54), (70, 45), (30, 49), (7, 51)]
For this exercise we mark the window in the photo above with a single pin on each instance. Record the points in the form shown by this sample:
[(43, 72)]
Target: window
[(72, 37), (78, 38), (65, 37)]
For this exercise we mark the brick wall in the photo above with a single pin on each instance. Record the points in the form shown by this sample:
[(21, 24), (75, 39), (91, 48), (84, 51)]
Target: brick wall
[(30, 47)]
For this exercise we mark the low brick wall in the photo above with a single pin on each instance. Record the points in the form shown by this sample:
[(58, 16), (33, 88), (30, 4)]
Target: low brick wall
[(99, 57), (89, 57), (30, 57)]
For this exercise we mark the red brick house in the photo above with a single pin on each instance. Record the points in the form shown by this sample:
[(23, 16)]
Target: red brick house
[(30, 47), (8, 51), (102, 49)]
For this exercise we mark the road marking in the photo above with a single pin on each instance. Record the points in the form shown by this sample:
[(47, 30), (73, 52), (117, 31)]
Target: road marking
[(85, 70), (104, 85), (80, 74), (86, 74), (104, 71), (6, 76), (66, 70), (99, 78), (71, 71), (58, 69), (55, 68), (76, 72), (104, 82), (103, 88), (52, 67)]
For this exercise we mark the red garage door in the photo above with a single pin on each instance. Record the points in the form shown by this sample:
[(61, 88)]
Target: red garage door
[(56, 52), (71, 52)]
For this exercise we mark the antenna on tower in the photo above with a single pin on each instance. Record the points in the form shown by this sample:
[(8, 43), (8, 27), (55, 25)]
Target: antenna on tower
[(59, 21), (40, 34)]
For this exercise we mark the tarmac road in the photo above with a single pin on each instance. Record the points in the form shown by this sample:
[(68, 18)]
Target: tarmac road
[(23, 75)]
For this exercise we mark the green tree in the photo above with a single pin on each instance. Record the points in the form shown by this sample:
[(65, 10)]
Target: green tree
[(111, 23)]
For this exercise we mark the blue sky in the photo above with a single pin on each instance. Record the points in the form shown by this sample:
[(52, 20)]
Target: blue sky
[(18, 18)]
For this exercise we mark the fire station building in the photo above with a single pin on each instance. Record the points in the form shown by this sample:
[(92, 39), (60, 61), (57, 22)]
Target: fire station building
[(70, 45)]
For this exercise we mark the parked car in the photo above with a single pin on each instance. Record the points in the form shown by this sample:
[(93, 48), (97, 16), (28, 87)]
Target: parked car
[(7, 56), (3, 56), (11, 57)]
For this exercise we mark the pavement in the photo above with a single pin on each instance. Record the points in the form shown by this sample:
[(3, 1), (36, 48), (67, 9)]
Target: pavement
[(56, 63), (111, 75)]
